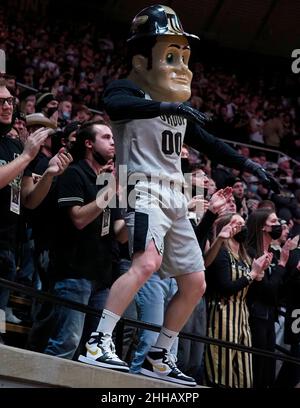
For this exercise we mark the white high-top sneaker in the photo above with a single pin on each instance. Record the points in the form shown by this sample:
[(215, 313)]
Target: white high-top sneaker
[(101, 352)]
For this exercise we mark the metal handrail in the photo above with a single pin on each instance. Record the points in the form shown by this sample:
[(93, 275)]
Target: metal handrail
[(260, 148), (44, 296)]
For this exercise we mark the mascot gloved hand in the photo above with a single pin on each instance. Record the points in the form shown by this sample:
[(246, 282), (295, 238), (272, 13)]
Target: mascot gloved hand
[(185, 111), (266, 178)]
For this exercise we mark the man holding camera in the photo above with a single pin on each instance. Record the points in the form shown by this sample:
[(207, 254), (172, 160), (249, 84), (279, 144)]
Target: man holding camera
[(41, 176)]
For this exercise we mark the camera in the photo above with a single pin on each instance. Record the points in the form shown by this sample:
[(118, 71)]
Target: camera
[(57, 141)]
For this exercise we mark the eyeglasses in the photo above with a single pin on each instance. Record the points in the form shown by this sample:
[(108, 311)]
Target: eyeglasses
[(10, 100)]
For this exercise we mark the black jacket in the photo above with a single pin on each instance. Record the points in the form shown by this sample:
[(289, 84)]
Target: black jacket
[(263, 296)]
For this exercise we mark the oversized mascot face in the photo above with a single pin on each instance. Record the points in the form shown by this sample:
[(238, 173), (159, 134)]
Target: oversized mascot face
[(169, 78)]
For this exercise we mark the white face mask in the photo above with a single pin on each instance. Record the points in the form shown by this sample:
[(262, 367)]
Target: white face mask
[(253, 188), (66, 115)]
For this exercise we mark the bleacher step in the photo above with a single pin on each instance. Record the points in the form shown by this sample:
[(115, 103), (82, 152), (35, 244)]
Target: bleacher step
[(20, 366), (18, 300), (17, 328)]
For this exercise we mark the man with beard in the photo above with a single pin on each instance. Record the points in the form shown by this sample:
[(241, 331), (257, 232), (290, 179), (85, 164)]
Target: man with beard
[(85, 229)]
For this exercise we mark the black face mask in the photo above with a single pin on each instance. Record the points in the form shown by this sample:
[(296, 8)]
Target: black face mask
[(241, 236), (276, 231), (99, 158), (49, 112), (185, 165), (5, 128)]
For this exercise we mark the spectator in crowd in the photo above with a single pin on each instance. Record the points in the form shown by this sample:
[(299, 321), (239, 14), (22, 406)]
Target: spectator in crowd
[(263, 296), (273, 130), (289, 374), (14, 159), (190, 353), (20, 126), (28, 106), (82, 253), (263, 159), (244, 150), (256, 127), (42, 172), (285, 172), (228, 279), (238, 188), (294, 149), (83, 114), (48, 106), (295, 230), (63, 63), (64, 112), (69, 135), (267, 204)]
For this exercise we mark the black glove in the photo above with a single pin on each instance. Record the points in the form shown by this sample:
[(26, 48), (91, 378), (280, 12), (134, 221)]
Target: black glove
[(266, 178), (185, 111)]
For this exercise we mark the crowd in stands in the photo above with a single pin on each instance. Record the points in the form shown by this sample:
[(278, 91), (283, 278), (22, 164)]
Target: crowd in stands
[(76, 64), (51, 245)]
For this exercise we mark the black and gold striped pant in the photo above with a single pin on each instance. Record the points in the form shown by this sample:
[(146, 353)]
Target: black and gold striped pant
[(226, 367)]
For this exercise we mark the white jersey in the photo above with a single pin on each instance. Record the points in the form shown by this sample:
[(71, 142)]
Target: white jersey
[(151, 146)]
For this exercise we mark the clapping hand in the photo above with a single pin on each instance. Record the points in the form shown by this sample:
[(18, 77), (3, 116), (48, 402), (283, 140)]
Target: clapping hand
[(58, 164), (289, 245), (229, 230), (35, 141), (219, 200), (198, 204), (260, 264)]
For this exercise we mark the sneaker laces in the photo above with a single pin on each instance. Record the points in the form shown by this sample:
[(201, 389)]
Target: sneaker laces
[(171, 359), (108, 347)]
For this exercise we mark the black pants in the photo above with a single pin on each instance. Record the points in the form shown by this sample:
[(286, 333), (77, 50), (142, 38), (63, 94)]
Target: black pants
[(263, 337), (289, 374)]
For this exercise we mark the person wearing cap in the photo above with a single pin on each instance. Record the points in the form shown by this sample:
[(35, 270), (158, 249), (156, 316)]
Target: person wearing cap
[(14, 158), (48, 106), (69, 134), (150, 120), (20, 126), (284, 172), (38, 193), (284, 163)]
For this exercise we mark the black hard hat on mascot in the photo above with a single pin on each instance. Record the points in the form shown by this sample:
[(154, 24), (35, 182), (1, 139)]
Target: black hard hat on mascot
[(157, 20)]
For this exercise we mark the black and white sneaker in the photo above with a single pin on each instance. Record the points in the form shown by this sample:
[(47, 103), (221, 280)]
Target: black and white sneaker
[(101, 352), (161, 364)]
